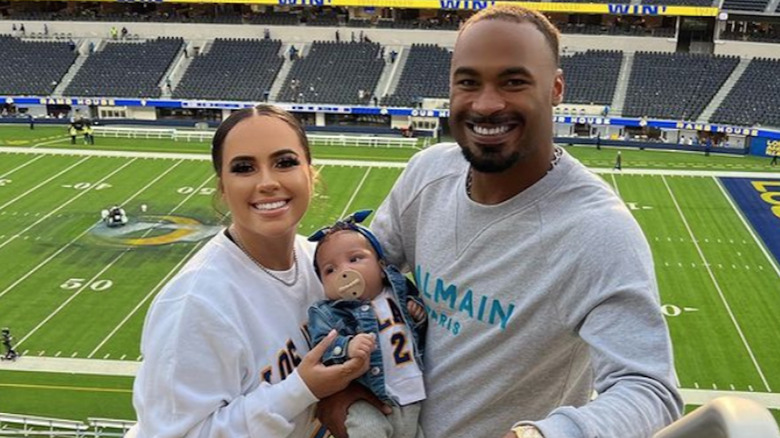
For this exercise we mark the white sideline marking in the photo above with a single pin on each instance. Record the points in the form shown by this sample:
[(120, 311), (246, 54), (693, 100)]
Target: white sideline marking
[(617, 191), (358, 163), (67, 245), (21, 166), (44, 143), (717, 287), (354, 194), (80, 194), (758, 241), (41, 184), (154, 290), (70, 298), (615, 185), (105, 268)]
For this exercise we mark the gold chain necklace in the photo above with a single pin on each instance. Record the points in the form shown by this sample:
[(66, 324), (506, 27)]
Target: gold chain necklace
[(557, 154), (240, 246)]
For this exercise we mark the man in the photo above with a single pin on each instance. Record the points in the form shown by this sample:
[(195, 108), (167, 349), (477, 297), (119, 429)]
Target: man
[(539, 284)]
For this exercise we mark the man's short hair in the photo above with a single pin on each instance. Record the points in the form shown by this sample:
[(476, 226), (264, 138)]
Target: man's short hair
[(519, 14)]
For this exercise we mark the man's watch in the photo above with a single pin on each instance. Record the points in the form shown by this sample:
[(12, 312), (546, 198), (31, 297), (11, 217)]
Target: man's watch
[(527, 431)]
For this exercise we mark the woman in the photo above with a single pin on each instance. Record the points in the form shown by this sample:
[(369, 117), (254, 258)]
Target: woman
[(224, 343)]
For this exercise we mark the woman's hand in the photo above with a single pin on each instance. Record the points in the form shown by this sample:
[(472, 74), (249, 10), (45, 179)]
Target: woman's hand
[(323, 380)]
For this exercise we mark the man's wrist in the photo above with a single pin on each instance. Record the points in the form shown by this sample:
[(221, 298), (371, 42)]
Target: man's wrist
[(527, 431)]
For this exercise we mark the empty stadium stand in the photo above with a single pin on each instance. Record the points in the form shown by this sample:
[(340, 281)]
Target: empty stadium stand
[(617, 30), (745, 5), (32, 67), (126, 69), (232, 70), (334, 73), (591, 76), (425, 74), (675, 85), (755, 98)]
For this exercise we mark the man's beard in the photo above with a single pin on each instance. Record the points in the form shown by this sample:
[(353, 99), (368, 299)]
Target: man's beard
[(490, 162), (488, 159)]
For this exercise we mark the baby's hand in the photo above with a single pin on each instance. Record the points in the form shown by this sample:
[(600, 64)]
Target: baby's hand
[(361, 346), (416, 310)]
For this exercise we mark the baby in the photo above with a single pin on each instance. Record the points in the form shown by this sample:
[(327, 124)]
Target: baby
[(369, 301)]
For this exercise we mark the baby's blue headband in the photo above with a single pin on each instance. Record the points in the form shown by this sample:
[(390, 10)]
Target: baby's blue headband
[(348, 223)]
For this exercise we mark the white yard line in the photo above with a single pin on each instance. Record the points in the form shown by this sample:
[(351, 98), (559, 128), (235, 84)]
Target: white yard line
[(151, 293), (21, 166), (181, 156), (66, 302), (360, 163), (56, 140), (617, 190), (82, 193), (41, 184), (615, 186), (354, 194), (129, 368), (105, 268), (67, 245), (717, 286), (758, 241)]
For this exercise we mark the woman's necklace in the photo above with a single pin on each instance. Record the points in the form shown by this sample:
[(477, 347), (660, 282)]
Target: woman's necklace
[(237, 240)]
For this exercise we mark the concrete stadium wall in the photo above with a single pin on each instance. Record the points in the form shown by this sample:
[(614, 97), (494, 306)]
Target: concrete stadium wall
[(746, 49), (307, 34)]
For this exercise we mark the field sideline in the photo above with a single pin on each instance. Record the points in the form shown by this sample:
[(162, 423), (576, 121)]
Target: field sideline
[(716, 275)]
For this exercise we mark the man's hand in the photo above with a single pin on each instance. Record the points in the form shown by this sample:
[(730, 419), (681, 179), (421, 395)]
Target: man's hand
[(332, 411), (416, 310), (323, 380), (361, 346)]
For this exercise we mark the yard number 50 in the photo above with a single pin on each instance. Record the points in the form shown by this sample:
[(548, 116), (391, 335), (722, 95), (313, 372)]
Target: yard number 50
[(77, 283)]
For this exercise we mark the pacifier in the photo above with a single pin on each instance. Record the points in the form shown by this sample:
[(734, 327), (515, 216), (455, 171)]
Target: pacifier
[(350, 285)]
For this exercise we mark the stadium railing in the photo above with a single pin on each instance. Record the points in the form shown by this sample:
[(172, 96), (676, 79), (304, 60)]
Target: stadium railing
[(101, 425), (119, 132), (724, 417), (205, 136), (31, 425)]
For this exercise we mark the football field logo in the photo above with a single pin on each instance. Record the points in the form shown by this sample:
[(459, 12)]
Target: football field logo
[(155, 231)]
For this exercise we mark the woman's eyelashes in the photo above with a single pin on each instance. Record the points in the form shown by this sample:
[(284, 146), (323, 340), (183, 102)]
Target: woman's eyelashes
[(288, 161), (247, 166), (241, 167)]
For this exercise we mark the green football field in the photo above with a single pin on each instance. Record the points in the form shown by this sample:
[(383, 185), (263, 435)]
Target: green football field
[(72, 288)]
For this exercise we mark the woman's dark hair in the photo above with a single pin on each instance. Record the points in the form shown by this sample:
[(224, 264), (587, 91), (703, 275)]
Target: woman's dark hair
[(227, 125)]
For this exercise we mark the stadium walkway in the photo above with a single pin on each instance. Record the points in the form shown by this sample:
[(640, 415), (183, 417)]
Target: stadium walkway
[(129, 368)]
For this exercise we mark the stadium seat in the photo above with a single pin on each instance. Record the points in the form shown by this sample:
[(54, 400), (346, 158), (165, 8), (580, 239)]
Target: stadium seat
[(755, 98), (675, 85), (334, 73), (126, 69), (591, 76), (425, 74), (32, 67), (232, 70)]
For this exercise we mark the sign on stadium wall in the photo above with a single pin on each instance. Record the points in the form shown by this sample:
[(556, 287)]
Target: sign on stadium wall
[(385, 111), (573, 8), (765, 146)]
